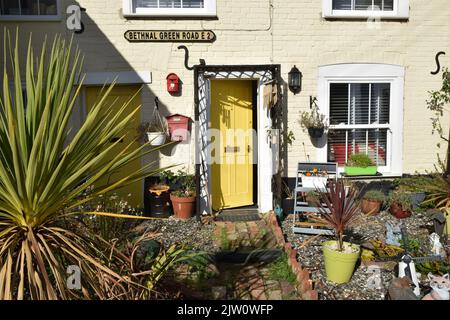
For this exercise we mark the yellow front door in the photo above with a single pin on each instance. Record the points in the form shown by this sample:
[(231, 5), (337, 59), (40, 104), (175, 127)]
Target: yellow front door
[(133, 194), (232, 148)]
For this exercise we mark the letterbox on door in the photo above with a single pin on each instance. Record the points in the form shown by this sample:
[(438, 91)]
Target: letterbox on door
[(178, 127)]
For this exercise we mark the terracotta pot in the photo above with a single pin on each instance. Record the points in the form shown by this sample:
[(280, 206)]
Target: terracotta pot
[(398, 212), (183, 208), (371, 207)]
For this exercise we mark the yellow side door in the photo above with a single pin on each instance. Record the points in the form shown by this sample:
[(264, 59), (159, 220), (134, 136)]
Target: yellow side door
[(118, 96), (232, 116)]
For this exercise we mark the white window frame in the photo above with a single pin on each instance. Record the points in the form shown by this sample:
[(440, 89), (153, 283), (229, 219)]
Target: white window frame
[(56, 17), (367, 73), (209, 10), (401, 11)]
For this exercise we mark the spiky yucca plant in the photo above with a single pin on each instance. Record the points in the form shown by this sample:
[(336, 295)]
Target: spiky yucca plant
[(43, 174)]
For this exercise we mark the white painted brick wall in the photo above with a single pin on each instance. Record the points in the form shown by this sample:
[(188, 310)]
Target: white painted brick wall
[(296, 35)]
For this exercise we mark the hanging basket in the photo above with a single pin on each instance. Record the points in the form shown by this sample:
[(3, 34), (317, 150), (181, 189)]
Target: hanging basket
[(156, 138), (157, 130)]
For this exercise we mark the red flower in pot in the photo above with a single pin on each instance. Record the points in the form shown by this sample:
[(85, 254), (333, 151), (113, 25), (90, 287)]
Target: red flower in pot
[(400, 205)]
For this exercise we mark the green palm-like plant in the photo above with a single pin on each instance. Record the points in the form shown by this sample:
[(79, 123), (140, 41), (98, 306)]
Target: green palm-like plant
[(43, 174)]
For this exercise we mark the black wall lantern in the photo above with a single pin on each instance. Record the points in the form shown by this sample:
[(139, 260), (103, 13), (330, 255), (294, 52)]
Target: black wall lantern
[(295, 80)]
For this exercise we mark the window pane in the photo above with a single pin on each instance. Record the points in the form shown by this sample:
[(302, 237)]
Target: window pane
[(48, 7), (363, 4), (343, 143), (359, 103), (169, 3), (11, 7), (350, 103), (193, 3), (380, 103), (385, 5), (342, 4), (339, 103), (28, 7)]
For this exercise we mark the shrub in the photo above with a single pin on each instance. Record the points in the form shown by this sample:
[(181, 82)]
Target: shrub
[(400, 198), (360, 160), (375, 195), (312, 119)]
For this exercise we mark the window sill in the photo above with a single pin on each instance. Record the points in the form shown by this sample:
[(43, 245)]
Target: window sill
[(381, 176), (354, 15), (171, 14)]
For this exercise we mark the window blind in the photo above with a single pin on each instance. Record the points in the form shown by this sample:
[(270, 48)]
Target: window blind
[(384, 5), (364, 106)]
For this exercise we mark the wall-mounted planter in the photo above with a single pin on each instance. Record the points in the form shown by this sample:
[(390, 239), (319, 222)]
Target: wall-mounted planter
[(360, 171)]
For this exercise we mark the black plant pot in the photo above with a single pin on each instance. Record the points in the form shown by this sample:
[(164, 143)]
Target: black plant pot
[(288, 206), (316, 133), (159, 205)]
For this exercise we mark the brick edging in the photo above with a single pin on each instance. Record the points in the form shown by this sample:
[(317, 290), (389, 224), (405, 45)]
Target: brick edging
[(304, 283)]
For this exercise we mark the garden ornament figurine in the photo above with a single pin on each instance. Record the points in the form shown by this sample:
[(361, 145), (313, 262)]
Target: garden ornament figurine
[(393, 234), (400, 289), (407, 268), (437, 248), (440, 286)]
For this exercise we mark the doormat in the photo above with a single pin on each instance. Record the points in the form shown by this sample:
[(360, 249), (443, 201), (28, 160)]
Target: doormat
[(239, 216)]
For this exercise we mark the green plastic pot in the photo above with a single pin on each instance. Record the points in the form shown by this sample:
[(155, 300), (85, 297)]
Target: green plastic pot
[(361, 171), (339, 266)]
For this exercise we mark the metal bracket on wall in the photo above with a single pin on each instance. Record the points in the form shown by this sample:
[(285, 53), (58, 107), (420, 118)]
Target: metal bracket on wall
[(312, 102), (440, 53), (186, 57)]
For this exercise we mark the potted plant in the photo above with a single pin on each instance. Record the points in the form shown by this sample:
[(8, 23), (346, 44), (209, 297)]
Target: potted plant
[(287, 203), (360, 165), (339, 211), (372, 202), (400, 204), (314, 122), (415, 186), (183, 199)]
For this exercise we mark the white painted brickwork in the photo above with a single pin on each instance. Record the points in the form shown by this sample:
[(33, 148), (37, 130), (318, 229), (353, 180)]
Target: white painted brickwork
[(292, 32)]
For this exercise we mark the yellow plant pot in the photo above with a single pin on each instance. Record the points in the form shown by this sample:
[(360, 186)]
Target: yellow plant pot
[(339, 266)]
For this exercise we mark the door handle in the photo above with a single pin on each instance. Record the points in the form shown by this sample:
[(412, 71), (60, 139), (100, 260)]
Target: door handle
[(249, 149), (229, 149)]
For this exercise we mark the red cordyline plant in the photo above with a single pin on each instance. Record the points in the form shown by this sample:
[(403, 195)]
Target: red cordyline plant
[(339, 208)]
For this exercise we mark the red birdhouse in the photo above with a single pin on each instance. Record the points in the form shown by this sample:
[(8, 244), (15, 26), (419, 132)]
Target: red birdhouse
[(173, 83), (178, 127)]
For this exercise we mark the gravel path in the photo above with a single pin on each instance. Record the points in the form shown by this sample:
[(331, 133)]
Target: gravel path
[(366, 228), (190, 232)]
